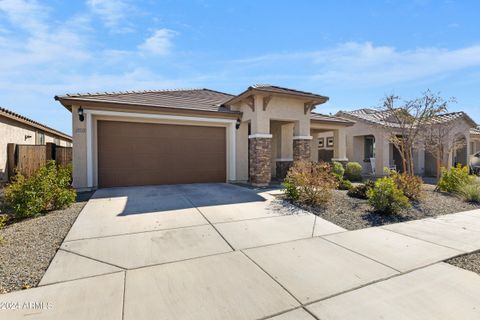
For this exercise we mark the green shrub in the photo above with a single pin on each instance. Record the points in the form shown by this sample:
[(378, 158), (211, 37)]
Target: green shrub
[(411, 186), (48, 189), (291, 191), (454, 178), (3, 220), (470, 192), (313, 182), (345, 184), (338, 170), (360, 191), (353, 171), (385, 197)]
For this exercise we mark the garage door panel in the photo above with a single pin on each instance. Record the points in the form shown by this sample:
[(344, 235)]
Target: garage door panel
[(146, 153)]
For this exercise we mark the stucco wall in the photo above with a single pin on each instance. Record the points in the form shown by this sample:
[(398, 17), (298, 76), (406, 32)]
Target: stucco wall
[(12, 131), (278, 108)]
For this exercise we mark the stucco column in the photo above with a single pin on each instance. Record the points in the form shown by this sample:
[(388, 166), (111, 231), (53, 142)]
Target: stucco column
[(314, 148), (420, 160), (382, 154), (284, 158), (339, 145)]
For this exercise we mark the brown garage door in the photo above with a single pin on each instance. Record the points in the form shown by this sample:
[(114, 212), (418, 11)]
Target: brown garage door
[(131, 154)]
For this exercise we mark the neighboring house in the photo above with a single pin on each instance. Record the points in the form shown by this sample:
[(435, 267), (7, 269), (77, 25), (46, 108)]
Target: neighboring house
[(368, 142), (197, 135), (18, 129), (474, 140)]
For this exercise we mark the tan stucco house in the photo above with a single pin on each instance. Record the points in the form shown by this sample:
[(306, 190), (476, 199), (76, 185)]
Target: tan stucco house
[(196, 135), (15, 128), (474, 140), (367, 142)]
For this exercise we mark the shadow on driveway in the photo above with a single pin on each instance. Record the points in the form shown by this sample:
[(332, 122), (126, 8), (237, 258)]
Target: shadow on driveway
[(148, 199)]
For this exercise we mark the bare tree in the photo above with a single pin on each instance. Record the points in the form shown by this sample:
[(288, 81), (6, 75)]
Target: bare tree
[(407, 122), (440, 142)]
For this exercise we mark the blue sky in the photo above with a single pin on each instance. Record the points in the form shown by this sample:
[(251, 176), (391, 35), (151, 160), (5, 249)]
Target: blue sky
[(355, 52)]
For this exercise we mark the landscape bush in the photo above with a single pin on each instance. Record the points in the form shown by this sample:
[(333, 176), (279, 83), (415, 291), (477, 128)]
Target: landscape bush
[(310, 182), (411, 186), (470, 192), (454, 178), (338, 170), (48, 189), (353, 171), (386, 198), (360, 191), (345, 184), (291, 191)]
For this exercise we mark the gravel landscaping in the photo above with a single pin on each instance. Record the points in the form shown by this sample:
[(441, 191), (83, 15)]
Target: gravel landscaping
[(469, 262), (352, 214), (29, 245)]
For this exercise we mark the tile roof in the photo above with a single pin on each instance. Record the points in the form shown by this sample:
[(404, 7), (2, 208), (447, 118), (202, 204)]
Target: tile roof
[(475, 131), (385, 117), (277, 89), (196, 99), (328, 118), (18, 117)]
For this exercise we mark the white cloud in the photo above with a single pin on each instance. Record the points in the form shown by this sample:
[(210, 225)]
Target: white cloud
[(160, 43), (28, 15), (114, 13), (44, 44), (367, 64)]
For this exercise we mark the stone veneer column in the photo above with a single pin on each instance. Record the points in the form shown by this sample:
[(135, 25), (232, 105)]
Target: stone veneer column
[(260, 157), (301, 148)]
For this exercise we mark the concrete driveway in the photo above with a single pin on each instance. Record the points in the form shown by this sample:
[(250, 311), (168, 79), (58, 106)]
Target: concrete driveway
[(219, 251)]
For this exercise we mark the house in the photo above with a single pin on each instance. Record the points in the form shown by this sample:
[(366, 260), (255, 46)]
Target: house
[(474, 140), (15, 128), (368, 141), (196, 135)]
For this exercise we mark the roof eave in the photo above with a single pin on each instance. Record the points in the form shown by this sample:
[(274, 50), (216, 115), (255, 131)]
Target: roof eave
[(67, 102), (316, 99)]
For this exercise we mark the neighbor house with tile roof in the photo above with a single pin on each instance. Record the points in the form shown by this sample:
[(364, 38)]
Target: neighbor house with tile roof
[(367, 141), (15, 128), (196, 135)]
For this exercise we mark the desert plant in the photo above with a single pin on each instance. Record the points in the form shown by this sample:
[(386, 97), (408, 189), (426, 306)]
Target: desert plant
[(385, 197), (3, 220), (454, 178), (338, 170), (360, 191), (290, 189), (353, 171), (48, 189), (345, 184), (411, 186), (470, 192), (313, 181)]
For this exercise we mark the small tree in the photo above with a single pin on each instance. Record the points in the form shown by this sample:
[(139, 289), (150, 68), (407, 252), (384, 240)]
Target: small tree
[(440, 143), (407, 122)]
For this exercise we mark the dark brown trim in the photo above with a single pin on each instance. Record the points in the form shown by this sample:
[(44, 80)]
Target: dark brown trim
[(113, 106)]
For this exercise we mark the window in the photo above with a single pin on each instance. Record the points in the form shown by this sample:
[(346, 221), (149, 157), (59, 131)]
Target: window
[(56, 141), (321, 142), (40, 138), (330, 142), (369, 148)]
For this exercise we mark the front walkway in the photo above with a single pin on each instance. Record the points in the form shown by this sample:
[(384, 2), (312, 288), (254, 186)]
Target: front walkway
[(217, 251)]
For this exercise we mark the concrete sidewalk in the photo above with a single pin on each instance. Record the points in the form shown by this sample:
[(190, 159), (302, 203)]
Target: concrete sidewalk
[(218, 251)]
